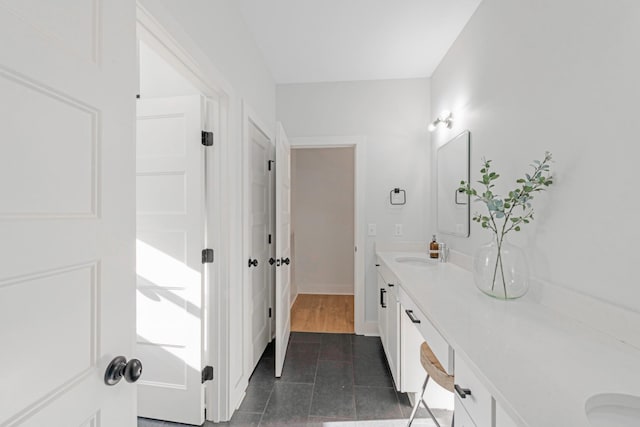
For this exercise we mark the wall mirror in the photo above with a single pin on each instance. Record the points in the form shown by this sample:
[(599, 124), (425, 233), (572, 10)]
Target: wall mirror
[(453, 213)]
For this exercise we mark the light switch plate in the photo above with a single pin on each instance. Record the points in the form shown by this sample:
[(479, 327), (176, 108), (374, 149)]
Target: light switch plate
[(372, 230)]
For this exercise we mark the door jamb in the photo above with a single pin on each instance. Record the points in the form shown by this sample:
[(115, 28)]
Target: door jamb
[(249, 116), (358, 142)]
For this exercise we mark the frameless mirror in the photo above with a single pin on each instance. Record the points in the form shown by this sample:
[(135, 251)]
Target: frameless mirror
[(453, 213)]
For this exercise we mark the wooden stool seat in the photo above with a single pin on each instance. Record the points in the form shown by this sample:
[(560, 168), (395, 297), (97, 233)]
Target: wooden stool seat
[(434, 368), (435, 371)]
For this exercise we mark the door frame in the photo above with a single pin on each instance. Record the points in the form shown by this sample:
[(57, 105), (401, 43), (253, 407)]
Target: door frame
[(220, 221), (358, 143), (249, 117)]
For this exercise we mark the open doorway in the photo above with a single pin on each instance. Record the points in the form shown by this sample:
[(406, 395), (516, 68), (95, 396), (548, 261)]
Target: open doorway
[(181, 139), (323, 239), (170, 237)]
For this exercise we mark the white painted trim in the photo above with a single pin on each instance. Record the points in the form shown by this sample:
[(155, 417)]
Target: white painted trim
[(359, 144), (193, 64), (149, 29), (294, 301), (370, 329), (326, 289), (249, 116)]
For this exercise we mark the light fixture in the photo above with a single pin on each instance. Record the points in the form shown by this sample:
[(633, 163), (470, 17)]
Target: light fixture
[(445, 118)]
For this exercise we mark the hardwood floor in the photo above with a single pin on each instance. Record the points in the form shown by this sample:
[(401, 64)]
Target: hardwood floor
[(323, 313)]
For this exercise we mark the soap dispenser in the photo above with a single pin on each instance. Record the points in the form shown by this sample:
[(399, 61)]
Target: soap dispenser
[(433, 248)]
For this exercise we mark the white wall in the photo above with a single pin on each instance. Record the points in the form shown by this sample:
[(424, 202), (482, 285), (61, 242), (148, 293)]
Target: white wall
[(530, 76), (392, 115), (158, 79), (217, 28), (213, 34), (322, 210)]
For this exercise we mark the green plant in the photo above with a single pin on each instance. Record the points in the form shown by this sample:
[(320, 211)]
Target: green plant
[(512, 212)]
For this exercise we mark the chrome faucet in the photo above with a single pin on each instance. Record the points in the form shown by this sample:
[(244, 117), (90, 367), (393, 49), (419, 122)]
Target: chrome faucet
[(444, 252)]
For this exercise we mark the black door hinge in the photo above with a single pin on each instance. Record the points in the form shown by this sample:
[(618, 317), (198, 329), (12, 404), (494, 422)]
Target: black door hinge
[(207, 374), (269, 239), (269, 312), (269, 163), (207, 256), (207, 138)]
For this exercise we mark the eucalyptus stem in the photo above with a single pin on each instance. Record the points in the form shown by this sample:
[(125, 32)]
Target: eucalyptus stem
[(502, 208), (495, 269), (504, 282)]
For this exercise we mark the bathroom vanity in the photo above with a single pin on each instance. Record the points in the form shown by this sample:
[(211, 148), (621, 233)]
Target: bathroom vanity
[(524, 363)]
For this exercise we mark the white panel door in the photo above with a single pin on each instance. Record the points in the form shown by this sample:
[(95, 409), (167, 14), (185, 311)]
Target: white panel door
[(170, 239), (259, 176), (67, 230), (283, 249)]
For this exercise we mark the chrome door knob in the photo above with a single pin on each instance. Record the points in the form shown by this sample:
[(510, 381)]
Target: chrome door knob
[(119, 368)]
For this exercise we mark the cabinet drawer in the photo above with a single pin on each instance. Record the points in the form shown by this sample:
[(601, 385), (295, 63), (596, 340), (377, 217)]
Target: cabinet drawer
[(438, 344), (502, 418), (462, 418), (479, 403)]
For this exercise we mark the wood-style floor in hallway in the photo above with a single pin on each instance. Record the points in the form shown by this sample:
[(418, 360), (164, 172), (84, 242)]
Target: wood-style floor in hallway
[(322, 313)]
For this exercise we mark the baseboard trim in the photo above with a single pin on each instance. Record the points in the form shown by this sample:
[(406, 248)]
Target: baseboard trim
[(326, 289), (324, 292), (369, 329), (294, 301)]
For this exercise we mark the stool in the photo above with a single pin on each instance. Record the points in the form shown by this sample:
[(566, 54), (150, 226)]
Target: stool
[(435, 371)]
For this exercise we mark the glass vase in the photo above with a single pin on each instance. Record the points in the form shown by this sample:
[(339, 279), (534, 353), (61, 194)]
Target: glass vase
[(500, 270)]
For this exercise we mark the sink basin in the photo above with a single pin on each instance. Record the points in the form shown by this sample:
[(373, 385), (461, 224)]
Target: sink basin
[(416, 261), (619, 410)]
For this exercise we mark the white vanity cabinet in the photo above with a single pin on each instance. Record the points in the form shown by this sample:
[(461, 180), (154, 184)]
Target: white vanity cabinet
[(415, 328), (502, 418), (382, 308), (462, 417), (472, 395), (389, 320), (412, 372), (430, 334)]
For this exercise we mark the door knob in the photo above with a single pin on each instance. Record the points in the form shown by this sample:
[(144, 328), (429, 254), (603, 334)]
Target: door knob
[(286, 261), (119, 368), (253, 263), (272, 261)]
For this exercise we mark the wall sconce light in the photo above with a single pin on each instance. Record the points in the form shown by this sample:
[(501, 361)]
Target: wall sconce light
[(445, 118)]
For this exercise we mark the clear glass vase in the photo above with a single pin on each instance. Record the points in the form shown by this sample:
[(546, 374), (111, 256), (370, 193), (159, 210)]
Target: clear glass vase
[(501, 270)]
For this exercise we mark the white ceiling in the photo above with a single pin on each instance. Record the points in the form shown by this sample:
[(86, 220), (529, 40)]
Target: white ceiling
[(343, 40)]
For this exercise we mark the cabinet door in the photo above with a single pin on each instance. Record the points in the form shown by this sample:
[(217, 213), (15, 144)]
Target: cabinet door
[(502, 418), (393, 335), (413, 374), (462, 418), (479, 403), (382, 310)]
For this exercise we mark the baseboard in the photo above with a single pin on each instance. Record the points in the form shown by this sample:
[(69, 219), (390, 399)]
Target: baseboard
[(294, 300), (369, 329), (325, 289)]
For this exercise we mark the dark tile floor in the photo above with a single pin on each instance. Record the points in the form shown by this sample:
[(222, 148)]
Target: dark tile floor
[(328, 379)]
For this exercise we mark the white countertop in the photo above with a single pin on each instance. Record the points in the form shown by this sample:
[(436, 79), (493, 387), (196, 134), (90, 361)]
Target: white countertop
[(540, 365)]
